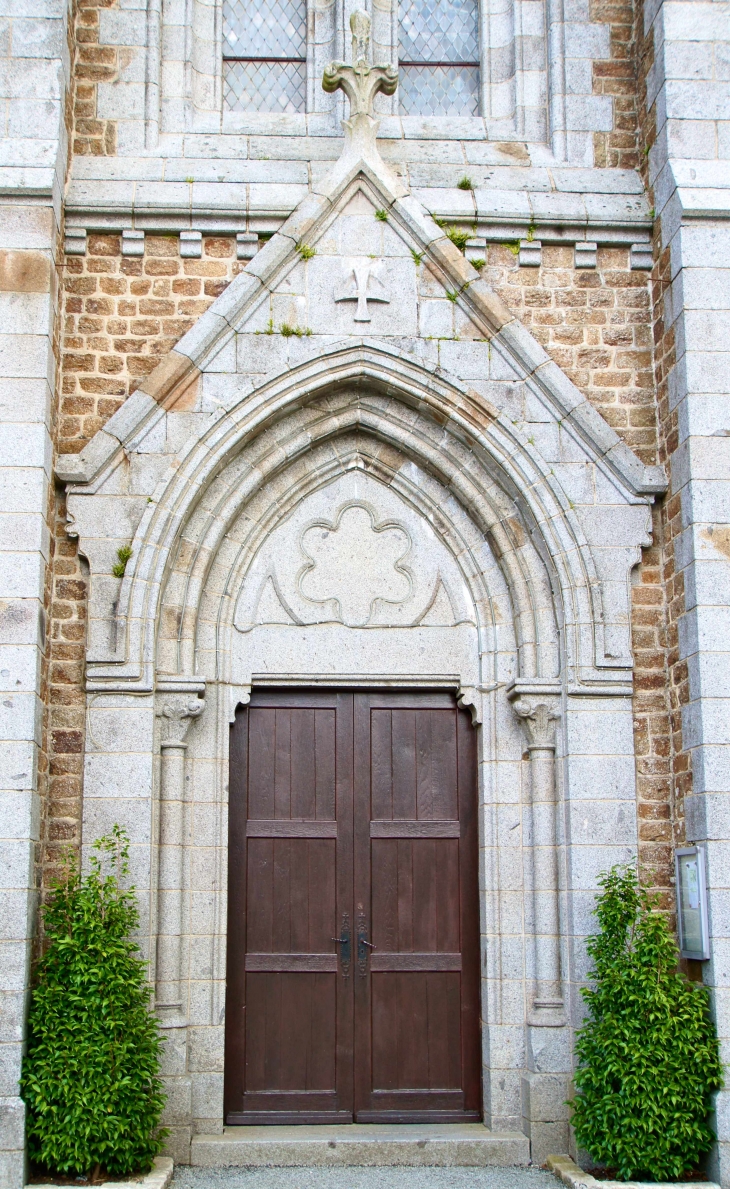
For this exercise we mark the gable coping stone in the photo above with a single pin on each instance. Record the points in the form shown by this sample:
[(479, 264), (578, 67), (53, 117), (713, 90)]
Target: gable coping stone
[(182, 363)]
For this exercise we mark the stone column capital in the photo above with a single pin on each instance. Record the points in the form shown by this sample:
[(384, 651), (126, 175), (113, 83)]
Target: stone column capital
[(176, 710), (538, 719)]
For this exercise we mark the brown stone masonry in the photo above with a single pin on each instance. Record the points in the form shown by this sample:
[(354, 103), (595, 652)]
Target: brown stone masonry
[(122, 314), (675, 687), (617, 77), (596, 325), (93, 64)]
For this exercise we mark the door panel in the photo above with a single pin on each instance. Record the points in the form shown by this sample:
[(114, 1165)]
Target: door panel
[(416, 1012), (288, 1008), (352, 814)]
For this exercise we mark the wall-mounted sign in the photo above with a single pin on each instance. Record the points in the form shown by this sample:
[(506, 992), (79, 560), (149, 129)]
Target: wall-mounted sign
[(694, 937)]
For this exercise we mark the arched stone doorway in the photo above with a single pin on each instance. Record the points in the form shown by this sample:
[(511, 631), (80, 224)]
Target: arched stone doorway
[(492, 522)]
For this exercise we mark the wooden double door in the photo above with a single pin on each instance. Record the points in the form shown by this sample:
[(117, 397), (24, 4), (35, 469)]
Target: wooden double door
[(353, 940)]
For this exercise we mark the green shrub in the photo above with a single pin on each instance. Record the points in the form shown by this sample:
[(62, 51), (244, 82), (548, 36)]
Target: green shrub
[(648, 1055), (90, 1076)]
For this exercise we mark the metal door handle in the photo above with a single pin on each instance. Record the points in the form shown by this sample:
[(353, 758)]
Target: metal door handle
[(363, 945), (344, 943)]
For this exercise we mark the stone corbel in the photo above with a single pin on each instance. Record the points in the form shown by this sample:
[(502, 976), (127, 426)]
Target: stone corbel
[(468, 697), (179, 704), (539, 719), (471, 698)]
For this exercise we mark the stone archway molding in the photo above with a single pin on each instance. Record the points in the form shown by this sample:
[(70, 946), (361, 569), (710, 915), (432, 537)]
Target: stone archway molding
[(476, 449)]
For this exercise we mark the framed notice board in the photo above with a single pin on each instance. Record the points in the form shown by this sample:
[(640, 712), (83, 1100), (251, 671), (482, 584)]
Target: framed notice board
[(694, 936)]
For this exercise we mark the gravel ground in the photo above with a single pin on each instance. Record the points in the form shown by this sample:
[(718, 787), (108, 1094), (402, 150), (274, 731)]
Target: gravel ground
[(363, 1178)]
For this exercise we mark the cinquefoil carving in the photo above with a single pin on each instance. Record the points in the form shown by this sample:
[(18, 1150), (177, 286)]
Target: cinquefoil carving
[(355, 563)]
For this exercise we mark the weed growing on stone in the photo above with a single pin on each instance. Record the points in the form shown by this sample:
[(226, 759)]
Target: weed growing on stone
[(124, 552), (305, 251), (417, 257), (382, 215), (648, 1054), (465, 184), (458, 237), (288, 331)]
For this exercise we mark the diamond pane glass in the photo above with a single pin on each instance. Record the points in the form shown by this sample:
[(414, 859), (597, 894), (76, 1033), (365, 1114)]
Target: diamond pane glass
[(264, 28), (439, 90), (435, 31), (264, 86)]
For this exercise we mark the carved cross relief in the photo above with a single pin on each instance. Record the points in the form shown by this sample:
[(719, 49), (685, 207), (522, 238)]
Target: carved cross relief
[(361, 285)]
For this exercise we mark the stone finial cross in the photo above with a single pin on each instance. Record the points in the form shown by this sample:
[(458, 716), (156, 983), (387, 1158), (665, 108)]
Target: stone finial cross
[(361, 82), (362, 286)]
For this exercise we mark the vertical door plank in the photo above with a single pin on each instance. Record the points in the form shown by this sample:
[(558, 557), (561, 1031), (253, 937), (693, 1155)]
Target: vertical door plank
[(404, 764), (448, 901), (424, 766), (444, 766), (427, 884), (282, 764), (322, 1050), (322, 893), (385, 894), (386, 1038), (260, 784), (260, 932), (381, 762), (303, 764), (325, 764), (403, 849), (257, 995), (412, 1009), (281, 925)]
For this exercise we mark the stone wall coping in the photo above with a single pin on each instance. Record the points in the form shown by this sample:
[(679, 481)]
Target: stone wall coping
[(558, 215), (158, 1177), (572, 1175)]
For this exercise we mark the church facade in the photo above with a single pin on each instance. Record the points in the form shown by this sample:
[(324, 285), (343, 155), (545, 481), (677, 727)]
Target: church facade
[(364, 529)]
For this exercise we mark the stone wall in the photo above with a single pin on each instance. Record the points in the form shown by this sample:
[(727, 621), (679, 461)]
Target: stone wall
[(122, 313)]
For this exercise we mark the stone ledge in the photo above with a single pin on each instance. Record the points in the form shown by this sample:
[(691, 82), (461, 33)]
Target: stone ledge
[(158, 1177), (573, 1176), (375, 1144)]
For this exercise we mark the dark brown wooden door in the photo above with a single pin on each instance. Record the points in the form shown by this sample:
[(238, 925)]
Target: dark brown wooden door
[(353, 940)]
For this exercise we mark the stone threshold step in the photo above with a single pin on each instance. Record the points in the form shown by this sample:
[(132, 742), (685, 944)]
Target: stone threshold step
[(446, 1144)]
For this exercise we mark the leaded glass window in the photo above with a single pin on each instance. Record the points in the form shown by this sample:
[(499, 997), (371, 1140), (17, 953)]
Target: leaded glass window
[(438, 57), (265, 55)]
